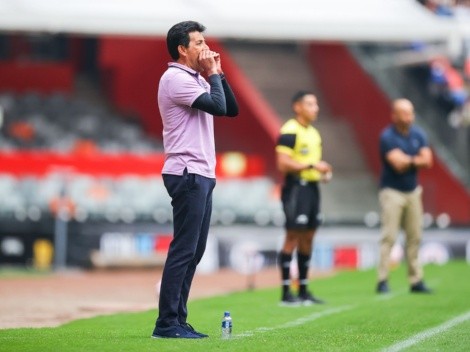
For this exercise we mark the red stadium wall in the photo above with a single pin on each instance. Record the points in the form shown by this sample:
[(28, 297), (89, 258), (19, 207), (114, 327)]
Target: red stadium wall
[(353, 95), (255, 129), (132, 68), (27, 76)]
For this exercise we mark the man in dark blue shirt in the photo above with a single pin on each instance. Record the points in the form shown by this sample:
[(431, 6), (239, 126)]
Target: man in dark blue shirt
[(403, 151)]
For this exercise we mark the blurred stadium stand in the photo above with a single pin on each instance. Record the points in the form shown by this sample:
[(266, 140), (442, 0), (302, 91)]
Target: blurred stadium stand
[(69, 125), (80, 130)]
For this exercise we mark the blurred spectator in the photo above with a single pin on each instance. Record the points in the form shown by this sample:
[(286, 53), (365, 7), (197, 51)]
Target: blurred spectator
[(445, 8), (447, 81), (447, 84), (438, 81), (457, 91), (440, 7)]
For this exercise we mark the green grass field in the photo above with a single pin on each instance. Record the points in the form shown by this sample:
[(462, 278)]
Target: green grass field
[(354, 319)]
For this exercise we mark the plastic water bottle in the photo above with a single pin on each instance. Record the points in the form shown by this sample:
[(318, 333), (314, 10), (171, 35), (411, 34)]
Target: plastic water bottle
[(226, 326)]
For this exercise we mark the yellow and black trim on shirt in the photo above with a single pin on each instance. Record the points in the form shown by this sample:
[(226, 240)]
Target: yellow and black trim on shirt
[(302, 144)]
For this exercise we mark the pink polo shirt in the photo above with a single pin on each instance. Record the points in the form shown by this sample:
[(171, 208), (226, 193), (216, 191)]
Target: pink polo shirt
[(188, 134)]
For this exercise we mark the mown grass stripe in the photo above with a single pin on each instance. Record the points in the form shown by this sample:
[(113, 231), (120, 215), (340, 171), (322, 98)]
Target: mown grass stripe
[(413, 340), (297, 322)]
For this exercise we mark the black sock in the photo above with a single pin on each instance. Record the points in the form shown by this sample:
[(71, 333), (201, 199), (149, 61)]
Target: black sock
[(303, 262), (284, 265)]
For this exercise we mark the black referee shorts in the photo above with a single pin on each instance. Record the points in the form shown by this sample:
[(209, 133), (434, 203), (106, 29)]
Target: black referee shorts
[(301, 204)]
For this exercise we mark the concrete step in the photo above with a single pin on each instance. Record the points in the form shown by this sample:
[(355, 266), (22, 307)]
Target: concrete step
[(278, 70)]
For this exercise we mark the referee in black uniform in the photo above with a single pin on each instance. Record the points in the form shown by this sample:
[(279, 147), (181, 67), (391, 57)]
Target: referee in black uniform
[(299, 158)]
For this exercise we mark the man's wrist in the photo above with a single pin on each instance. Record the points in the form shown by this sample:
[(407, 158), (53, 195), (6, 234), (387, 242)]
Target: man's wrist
[(222, 76)]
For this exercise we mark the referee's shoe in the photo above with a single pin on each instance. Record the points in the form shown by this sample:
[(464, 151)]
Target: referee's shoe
[(308, 299), (289, 300)]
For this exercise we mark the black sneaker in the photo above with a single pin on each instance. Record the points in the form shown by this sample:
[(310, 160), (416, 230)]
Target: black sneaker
[(308, 299), (190, 328), (175, 332), (420, 287), (382, 287), (288, 299)]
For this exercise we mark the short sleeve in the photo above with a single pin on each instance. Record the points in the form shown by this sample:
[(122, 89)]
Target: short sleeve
[(286, 143), (185, 89), (387, 143)]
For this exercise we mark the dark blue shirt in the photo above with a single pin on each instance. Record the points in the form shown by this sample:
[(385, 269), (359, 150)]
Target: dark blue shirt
[(410, 144)]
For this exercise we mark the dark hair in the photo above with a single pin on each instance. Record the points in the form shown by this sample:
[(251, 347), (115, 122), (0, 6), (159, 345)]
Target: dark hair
[(298, 96), (179, 35)]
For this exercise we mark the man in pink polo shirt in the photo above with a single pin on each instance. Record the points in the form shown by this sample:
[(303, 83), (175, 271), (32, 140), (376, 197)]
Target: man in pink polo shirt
[(188, 103)]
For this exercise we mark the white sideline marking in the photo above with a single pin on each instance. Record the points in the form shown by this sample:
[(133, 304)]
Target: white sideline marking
[(428, 333), (296, 322)]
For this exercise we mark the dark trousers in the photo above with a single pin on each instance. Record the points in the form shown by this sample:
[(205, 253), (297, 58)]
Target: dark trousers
[(191, 196)]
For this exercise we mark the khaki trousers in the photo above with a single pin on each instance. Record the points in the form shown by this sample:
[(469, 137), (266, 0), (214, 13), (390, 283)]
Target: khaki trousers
[(401, 210)]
